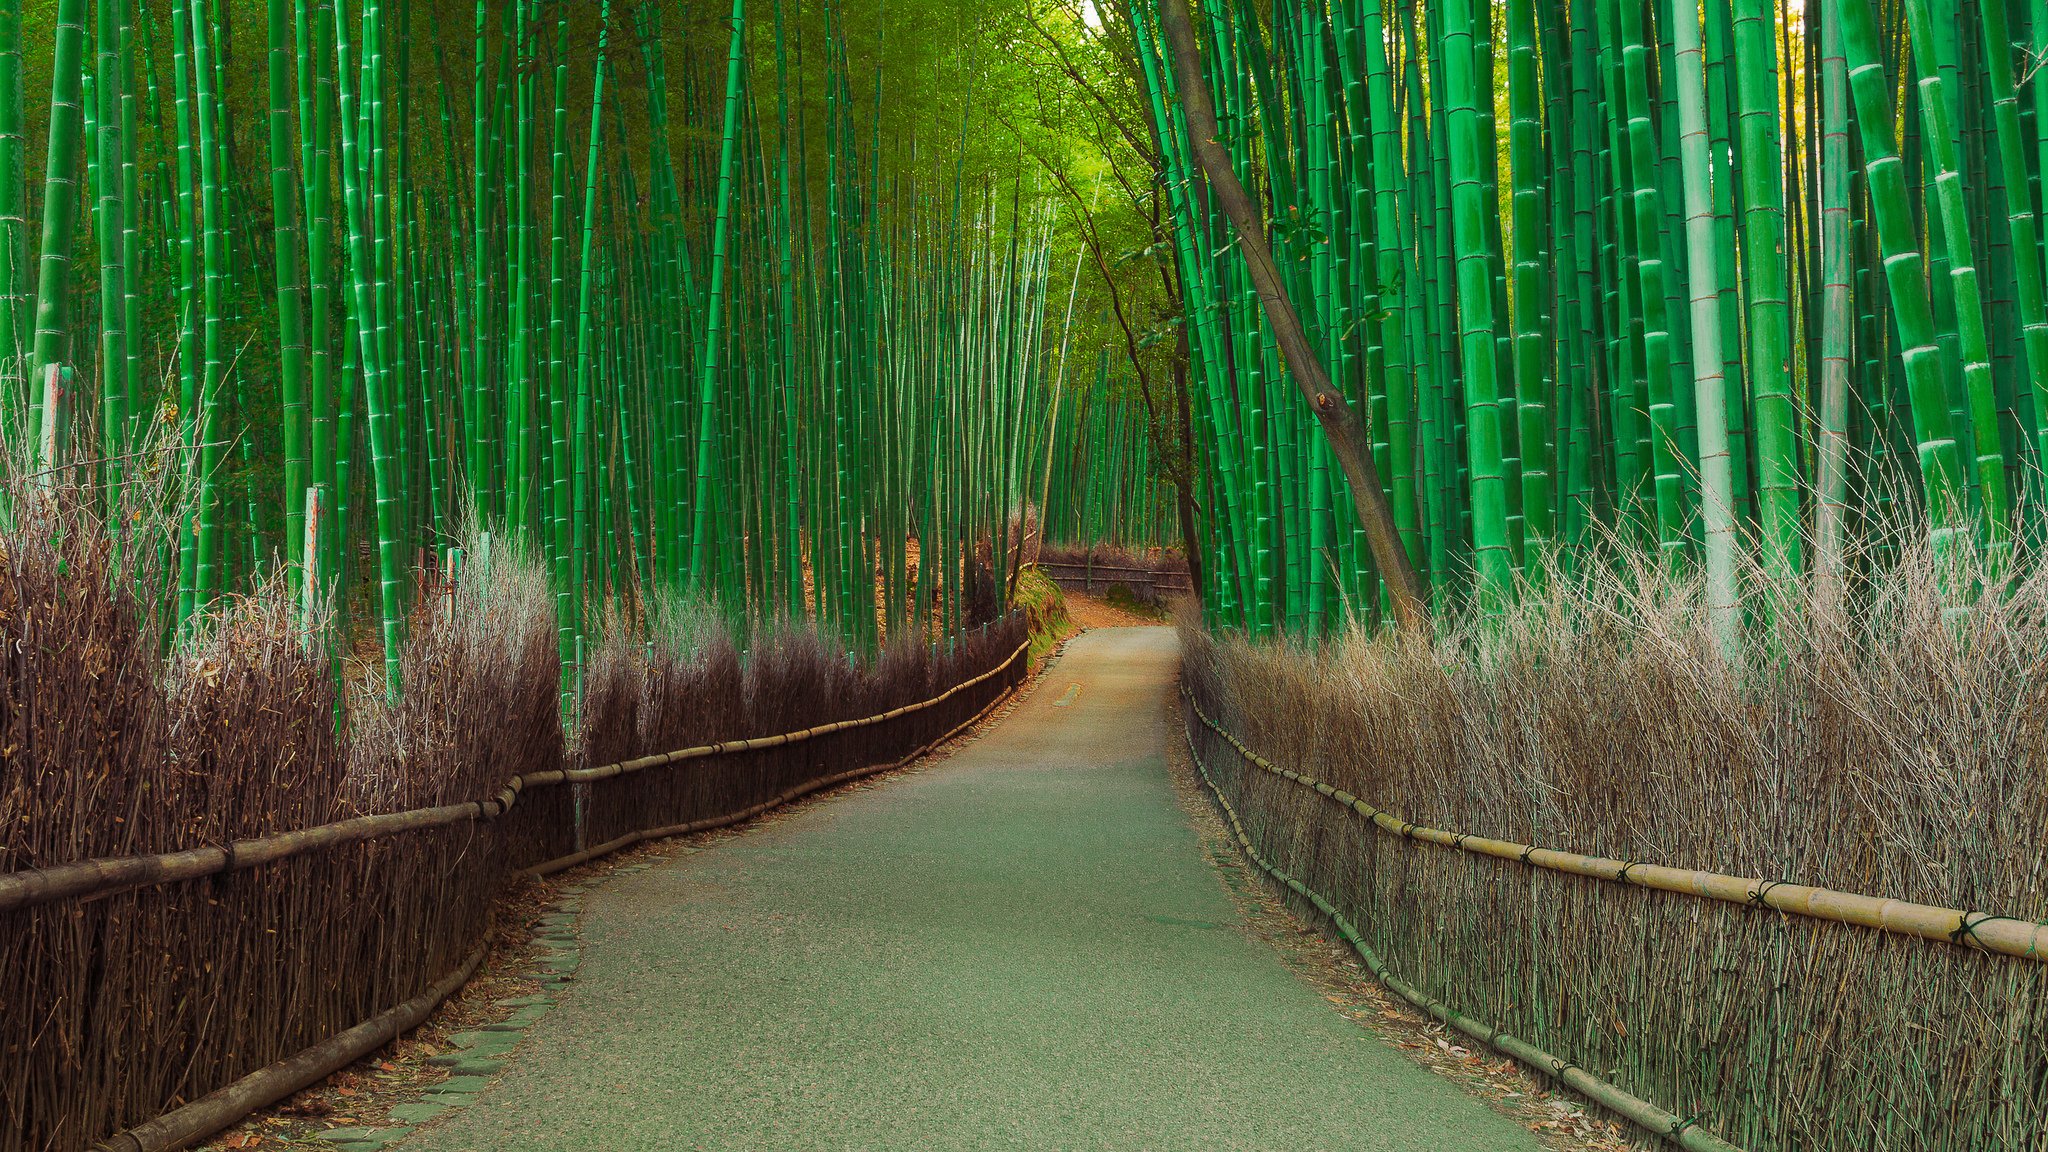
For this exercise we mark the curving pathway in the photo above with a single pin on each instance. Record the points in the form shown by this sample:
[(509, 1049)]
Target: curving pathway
[(1020, 947)]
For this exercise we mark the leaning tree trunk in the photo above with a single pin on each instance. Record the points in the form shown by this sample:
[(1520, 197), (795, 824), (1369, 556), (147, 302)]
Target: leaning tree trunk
[(1342, 428)]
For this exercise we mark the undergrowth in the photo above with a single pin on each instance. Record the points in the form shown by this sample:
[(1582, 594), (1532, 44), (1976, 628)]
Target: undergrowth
[(1883, 739)]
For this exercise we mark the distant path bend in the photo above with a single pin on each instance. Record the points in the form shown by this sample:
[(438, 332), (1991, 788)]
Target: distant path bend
[(1021, 947)]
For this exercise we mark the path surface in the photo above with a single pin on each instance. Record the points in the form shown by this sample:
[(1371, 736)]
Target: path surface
[(1021, 947)]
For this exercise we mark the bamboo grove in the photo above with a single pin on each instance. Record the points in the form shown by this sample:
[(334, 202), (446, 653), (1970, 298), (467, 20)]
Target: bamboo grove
[(701, 331), (1103, 482), (1726, 278)]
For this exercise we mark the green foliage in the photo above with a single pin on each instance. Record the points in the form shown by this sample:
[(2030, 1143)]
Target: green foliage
[(1045, 611)]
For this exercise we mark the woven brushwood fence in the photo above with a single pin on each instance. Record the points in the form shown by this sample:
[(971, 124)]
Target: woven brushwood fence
[(207, 901), (1749, 959)]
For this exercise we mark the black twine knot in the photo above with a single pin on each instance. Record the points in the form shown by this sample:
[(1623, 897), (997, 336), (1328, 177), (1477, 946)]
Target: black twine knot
[(1966, 928)]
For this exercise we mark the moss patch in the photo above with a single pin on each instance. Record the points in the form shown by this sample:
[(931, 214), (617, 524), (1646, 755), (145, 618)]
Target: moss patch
[(1045, 611)]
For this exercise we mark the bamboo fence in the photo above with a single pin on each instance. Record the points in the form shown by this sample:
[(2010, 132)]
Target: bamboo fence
[(1712, 945), (157, 991)]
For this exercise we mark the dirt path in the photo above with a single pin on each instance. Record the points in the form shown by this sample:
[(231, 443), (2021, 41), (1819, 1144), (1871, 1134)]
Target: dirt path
[(1022, 947)]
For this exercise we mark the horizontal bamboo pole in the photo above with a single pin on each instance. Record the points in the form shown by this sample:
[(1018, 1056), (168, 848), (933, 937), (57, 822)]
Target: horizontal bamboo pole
[(88, 879), (797, 793), (91, 878), (1078, 566), (758, 743), (1684, 1131), (1984, 931), (209, 1114)]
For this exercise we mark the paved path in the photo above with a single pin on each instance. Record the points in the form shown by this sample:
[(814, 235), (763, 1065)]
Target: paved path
[(1019, 948)]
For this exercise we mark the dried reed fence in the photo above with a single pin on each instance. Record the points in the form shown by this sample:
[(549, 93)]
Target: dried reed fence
[(200, 879), (1894, 750)]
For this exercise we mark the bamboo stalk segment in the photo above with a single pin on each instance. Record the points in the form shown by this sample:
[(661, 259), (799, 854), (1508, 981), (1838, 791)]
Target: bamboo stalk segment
[(211, 1113)]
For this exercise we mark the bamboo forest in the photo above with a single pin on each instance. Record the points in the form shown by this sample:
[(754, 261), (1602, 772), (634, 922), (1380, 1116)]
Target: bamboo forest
[(631, 574)]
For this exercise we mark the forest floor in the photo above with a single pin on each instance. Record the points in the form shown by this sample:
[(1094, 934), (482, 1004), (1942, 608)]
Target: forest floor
[(1097, 612)]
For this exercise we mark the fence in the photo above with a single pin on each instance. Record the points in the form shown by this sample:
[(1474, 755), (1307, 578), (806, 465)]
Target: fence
[(166, 995), (1151, 585), (1715, 1010)]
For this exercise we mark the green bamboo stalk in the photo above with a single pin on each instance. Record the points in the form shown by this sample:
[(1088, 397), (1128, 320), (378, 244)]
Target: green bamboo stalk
[(291, 338), (60, 197), (1704, 262), (584, 337), (369, 348), (706, 461), (13, 221), (1769, 368), (1937, 111), (1488, 500), (109, 213), (1891, 211)]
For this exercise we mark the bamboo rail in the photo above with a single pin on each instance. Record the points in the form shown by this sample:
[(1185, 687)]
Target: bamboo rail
[(1685, 1131), (1983, 931), (88, 879), (1080, 567), (757, 743), (797, 793), (271, 1083)]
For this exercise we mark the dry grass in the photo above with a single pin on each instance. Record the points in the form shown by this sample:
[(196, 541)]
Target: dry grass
[(1887, 744)]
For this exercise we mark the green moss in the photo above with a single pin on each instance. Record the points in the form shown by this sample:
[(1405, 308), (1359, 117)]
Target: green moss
[(1045, 608), (1121, 597)]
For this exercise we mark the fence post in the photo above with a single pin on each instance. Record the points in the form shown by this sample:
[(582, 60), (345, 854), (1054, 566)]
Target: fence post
[(312, 596), (50, 438)]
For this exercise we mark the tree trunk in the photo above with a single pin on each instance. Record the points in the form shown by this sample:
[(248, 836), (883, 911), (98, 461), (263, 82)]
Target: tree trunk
[(1342, 428)]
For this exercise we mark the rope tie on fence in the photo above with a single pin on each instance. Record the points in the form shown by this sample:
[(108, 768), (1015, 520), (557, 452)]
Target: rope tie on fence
[(1528, 850), (1622, 876), (1760, 895), (1966, 928)]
